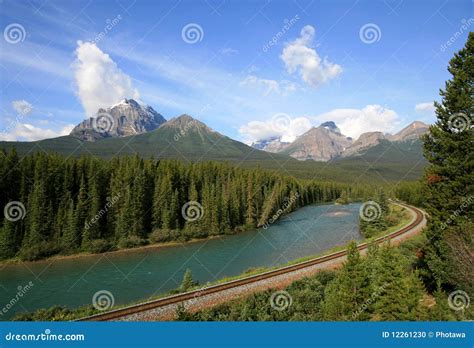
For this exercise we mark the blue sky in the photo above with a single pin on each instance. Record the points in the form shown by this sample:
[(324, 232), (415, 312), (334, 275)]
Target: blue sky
[(321, 66)]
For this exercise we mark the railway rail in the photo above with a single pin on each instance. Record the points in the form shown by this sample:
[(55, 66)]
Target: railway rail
[(179, 298)]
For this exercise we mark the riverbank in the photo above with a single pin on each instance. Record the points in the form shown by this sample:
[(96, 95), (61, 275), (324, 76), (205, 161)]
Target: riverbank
[(156, 246), (322, 213)]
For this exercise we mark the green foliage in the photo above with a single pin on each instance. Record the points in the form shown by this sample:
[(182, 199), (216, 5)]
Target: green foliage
[(92, 205), (449, 179), (188, 282), (382, 286)]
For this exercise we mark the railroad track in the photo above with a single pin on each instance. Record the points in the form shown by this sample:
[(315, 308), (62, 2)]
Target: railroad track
[(191, 295)]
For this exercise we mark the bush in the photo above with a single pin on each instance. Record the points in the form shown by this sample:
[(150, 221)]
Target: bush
[(39, 251), (99, 246), (131, 242)]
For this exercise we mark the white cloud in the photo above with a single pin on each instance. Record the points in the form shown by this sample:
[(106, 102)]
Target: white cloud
[(425, 108), (259, 130), (300, 57), (22, 107), (268, 86), (100, 82), (354, 122), (28, 132)]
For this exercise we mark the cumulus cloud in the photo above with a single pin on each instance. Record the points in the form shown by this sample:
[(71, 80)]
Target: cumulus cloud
[(268, 86), (279, 126), (425, 108), (354, 122), (299, 56), (22, 107), (28, 132), (100, 82)]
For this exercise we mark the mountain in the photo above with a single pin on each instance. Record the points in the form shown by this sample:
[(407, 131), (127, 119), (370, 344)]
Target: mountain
[(273, 144), (120, 120), (412, 132), (365, 141), (183, 138), (321, 143)]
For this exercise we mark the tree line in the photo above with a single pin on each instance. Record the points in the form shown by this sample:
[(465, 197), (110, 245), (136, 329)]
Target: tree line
[(69, 205)]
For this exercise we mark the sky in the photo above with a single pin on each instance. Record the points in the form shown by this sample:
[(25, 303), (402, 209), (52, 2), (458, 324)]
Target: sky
[(248, 69)]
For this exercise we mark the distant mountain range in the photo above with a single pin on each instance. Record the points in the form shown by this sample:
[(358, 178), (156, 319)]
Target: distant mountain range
[(325, 143), (129, 128)]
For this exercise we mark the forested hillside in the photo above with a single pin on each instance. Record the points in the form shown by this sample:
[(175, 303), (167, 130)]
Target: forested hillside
[(65, 205)]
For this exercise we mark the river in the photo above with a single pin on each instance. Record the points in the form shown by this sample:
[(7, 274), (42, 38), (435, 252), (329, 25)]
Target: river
[(138, 274)]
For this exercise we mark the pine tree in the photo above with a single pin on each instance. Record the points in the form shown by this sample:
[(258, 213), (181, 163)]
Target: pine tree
[(449, 179)]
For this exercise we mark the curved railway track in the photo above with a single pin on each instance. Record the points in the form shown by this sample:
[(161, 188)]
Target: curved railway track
[(179, 298)]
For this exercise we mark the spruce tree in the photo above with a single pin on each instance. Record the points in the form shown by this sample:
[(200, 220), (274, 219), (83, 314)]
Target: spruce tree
[(449, 178)]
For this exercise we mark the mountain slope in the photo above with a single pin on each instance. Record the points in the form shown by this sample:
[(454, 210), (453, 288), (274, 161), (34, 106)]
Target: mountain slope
[(319, 144), (123, 119), (183, 138)]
